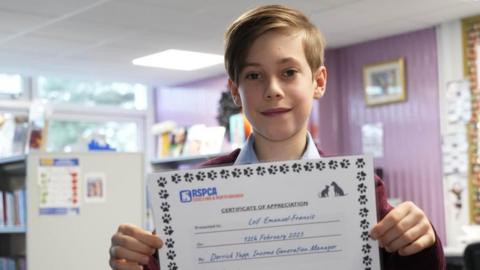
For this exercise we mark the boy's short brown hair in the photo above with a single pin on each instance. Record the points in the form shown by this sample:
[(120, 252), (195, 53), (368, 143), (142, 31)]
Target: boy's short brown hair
[(249, 26)]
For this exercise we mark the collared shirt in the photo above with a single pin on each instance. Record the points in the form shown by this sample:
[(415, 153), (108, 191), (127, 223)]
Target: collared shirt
[(247, 154)]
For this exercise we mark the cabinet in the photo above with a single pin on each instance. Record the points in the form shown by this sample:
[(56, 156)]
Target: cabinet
[(13, 230), (73, 240), (80, 240)]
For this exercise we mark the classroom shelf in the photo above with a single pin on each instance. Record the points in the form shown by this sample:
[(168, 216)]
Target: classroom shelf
[(13, 165), (12, 178), (13, 159), (13, 229)]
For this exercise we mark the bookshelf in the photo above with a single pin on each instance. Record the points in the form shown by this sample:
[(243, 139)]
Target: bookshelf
[(13, 165), (13, 237), (13, 229)]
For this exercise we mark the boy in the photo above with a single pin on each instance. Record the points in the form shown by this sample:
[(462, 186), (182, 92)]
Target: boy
[(274, 59)]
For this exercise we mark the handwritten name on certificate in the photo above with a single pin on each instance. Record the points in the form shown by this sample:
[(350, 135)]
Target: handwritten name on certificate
[(312, 214)]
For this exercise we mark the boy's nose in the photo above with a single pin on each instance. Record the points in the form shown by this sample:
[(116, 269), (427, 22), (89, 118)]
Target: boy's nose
[(273, 90)]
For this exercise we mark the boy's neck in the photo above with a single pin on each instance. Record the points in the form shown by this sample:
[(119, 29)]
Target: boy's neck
[(289, 149)]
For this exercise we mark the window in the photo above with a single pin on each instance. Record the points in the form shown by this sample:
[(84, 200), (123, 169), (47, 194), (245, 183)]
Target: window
[(75, 135), (116, 114), (76, 112), (116, 94)]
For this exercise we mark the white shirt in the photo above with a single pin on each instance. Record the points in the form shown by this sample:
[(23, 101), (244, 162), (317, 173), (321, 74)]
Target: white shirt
[(247, 154)]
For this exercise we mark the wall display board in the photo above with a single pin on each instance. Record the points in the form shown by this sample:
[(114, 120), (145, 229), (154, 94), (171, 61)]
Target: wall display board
[(471, 52), (455, 157)]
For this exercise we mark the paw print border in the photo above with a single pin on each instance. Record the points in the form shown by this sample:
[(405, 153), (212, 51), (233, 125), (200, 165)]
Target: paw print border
[(228, 174)]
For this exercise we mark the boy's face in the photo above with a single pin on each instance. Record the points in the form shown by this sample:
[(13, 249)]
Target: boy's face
[(276, 87)]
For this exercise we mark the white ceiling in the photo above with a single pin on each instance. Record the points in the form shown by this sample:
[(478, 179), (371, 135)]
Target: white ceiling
[(99, 38)]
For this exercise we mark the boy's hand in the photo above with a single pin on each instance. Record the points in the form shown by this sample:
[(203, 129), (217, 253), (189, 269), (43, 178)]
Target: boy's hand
[(405, 229), (132, 247)]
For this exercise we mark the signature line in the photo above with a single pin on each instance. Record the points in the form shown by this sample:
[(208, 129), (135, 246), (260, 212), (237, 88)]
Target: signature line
[(276, 256)]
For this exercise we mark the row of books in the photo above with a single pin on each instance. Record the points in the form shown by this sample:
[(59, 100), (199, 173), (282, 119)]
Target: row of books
[(13, 134), (21, 133), (10, 263), (174, 141), (12, 208)]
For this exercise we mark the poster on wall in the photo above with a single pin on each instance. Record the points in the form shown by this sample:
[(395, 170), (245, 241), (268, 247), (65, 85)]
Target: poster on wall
[(455, 158), (372, 139), (59, 188)]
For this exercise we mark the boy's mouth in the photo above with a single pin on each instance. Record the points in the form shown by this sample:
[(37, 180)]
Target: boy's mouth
[(275, 111)]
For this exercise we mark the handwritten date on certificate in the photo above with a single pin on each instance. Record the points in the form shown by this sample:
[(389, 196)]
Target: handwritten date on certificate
[(268, 237), (312, 214)]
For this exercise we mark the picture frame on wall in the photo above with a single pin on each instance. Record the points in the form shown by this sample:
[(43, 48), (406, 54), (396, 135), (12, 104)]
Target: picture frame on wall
[(384, 82)]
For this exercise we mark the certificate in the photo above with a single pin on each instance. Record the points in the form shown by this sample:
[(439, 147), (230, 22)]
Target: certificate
[(311, 214)]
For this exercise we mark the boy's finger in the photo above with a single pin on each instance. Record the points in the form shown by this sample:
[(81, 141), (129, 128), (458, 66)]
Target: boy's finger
[(142, 235), (420, 244), (124, 265), (408, 222), (406, 239), (119, 252), (131, 243), (390, 220)]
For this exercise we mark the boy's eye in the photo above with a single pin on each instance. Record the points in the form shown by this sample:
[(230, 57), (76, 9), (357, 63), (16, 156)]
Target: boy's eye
[(289, 72), (252, 76)]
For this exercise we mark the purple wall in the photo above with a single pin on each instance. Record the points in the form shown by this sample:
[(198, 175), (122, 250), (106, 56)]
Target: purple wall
[(329, 110), (191, 103), (218, 82), (412, 154)]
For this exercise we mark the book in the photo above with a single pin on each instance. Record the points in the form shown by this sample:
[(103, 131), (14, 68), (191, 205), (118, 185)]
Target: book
[(212, 140), (194, 139), (19, 207), (12, 263), (203, 140), (16, 220), (240, 129), (20, 135), (163, 145), (163, 131), (2, 209), (38, 126), (177, 141), (9, 209), (22, 207), (7, 132)]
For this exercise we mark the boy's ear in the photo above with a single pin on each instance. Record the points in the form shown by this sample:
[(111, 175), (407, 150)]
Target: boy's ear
[(320, 81), (234, 92)]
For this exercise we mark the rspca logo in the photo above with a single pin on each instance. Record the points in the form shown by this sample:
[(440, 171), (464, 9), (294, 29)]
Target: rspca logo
[(199, 194)]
